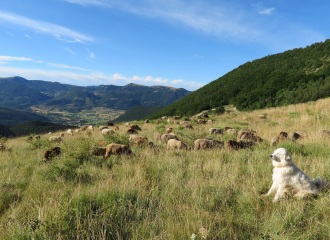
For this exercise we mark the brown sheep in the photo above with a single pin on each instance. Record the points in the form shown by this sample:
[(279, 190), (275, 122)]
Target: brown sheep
[(176, 117), (283, 135), (140, 141), (324, 133), (110, 124), (231, 144), (117, 149), (83, 128), (157, 137), (210, 121), (135, 127), (226, 128), (158, 122), (251, 137), (52, 152), (164, 117), (165, 137), (275, 140), (116, 128), (131, 131), (183, 122), (242, 132), (146, 121), (62, 135), (30, 138), (168, 130), (127, 124), (176, 122), (101, 143), (200, 121), (36, 137), (175, 144), (205, 115), (293, 136), (207, 144), (102, 127), (216, 131), (303, 134), (245, 143), (188, 126), (262, 117), (100, 151)]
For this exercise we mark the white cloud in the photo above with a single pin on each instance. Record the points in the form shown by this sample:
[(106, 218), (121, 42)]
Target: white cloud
[(43, 27), (66, 66), (28, 36), (160, 80), (117, 76), (177, 81), (267, 11), (92, 55), (148, 79), (136, 78), (9, 58), (3, 62), (70, 51)]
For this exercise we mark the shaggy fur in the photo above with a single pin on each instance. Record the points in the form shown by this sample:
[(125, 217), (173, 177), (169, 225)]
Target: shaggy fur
[(50, 153), (117, 149), (289, 179)]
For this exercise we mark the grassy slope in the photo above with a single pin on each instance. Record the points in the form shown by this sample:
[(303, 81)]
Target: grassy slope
[(166, 194)]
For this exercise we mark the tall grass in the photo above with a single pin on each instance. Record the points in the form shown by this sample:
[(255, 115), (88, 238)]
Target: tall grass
[(210, 194)]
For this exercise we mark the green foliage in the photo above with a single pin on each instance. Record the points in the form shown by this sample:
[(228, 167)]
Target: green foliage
[(277, 80), (137, 113), (116, 138), (160, 128)]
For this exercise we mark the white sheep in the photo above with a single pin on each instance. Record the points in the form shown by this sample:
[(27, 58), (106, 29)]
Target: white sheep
[(108, 131)]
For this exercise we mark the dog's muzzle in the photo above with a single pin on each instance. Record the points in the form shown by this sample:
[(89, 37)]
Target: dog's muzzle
[(272, 157)]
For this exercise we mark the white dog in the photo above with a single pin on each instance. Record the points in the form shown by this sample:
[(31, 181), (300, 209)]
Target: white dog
[(289, 179)]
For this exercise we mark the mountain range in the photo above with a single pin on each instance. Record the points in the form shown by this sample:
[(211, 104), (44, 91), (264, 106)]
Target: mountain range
[(19, 93)]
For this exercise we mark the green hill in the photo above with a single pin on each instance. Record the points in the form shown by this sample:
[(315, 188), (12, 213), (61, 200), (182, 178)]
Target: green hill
[(10, 116), (295, 76), (38, 127), (6, 132), (137, 113)]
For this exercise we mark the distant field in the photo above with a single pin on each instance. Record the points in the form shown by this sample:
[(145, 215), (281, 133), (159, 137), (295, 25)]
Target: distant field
[(97, 115)]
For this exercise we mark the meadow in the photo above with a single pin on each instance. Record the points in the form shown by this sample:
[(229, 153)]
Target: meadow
[(163, 194)]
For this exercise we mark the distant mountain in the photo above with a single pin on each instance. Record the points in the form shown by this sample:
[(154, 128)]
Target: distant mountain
[(38, 127), (10, 116), (5, 132), (20, 93), (295, 76), (137, 113)]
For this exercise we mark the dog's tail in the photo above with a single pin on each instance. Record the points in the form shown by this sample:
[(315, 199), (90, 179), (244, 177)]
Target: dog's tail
[(321, 184)]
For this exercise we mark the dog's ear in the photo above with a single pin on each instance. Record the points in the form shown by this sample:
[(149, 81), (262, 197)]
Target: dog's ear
[(287, 156)]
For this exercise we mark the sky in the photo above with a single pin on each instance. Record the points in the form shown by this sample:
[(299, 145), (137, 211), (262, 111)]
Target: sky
[(178, 43)]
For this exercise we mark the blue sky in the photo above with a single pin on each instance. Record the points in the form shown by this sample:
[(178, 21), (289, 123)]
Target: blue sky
[(176, 43)]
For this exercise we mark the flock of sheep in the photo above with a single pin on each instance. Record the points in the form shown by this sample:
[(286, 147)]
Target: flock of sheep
[(245, 138)]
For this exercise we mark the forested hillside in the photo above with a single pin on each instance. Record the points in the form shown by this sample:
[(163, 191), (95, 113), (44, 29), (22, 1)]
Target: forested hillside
[(137, 113), (295, 76), (38, 127), (10, 116)]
